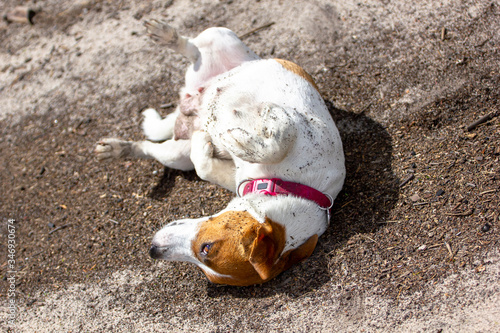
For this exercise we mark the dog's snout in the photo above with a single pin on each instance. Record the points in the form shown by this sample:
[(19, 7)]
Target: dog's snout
[(155, 252)]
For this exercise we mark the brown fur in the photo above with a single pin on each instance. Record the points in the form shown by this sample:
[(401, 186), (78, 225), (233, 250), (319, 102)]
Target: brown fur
[(241, 244), (294, 68)]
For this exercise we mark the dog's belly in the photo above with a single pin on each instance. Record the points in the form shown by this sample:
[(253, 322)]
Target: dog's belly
[(185, 126), (188, 119)]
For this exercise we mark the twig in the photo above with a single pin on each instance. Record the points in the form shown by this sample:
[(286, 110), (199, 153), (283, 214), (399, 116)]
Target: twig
[(456, 206), (251, 32), (115, 222), (166, 106), (467, 213), (384, 222), (407, 180), (443, 33), (486, 192), (483, 42), (448, 247), (58, 228), (369, 238), (38, 253), (481, 120), (362, 112), (346, 204)]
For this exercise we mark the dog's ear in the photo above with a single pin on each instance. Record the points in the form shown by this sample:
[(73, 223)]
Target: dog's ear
[(266, 248), (266, 252)]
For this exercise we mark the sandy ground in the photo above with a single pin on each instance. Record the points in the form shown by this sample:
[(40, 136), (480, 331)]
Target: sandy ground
[(88, 307), (391, 64)]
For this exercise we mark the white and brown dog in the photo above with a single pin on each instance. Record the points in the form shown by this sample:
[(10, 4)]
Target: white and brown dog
[(258, 128)]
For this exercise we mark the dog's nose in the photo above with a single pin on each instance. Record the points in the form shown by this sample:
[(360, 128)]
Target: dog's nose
[(155, 252)]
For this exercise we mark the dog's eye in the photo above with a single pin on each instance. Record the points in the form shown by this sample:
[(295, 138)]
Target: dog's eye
[(205, 248)]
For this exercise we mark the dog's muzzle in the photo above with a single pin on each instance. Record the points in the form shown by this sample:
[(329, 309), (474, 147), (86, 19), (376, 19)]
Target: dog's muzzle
[(155, 252)]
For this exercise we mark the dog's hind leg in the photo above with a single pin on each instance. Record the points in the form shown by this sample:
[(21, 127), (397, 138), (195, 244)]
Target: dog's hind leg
[(218, 45), (174, 154), (212, 52), (163, 34), (156, 128)]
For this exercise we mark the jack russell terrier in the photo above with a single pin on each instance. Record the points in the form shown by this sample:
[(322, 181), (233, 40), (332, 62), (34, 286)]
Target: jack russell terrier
[(258, 128)]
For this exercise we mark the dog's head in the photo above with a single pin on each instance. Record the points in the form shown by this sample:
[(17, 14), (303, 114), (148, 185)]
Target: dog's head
[(231, 248)]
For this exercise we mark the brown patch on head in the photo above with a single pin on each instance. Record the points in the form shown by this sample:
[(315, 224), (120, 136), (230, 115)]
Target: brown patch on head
[(247, 252), (294, 68)]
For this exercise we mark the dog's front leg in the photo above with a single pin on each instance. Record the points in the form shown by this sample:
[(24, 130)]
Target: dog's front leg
[(171, 153), (212, 169)]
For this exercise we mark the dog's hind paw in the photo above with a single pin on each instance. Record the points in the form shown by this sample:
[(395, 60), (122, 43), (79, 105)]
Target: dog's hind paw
[(161, 32), (112, 148), (155, 127)]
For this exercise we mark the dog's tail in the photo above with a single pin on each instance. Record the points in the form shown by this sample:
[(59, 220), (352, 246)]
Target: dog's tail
[(156, 128)]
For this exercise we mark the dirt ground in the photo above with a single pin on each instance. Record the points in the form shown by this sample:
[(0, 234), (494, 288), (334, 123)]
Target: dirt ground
[(413, 241)]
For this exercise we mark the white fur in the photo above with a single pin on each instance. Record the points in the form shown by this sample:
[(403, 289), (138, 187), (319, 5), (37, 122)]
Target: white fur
[(266, 120), (156, 128)]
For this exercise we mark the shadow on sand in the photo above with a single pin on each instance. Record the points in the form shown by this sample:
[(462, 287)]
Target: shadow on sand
[(369, 194)]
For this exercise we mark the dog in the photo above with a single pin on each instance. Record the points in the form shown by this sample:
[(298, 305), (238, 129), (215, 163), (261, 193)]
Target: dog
[(258, 127)]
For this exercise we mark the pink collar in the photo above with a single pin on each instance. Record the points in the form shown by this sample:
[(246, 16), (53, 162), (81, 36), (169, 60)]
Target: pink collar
[(277, 186)]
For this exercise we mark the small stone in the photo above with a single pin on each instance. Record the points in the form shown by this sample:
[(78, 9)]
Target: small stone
[(486, 227), (20, 14), (415, 197), (422, 247), (51, 225), (439, 193)]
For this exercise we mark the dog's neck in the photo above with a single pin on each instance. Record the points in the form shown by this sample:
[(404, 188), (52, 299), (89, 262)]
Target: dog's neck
[(276, 186), (301, 218)]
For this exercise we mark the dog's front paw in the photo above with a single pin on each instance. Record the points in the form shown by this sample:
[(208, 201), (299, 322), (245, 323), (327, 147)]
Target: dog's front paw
[(202, 151), (161, 32), (208, 166), (112, 148)]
